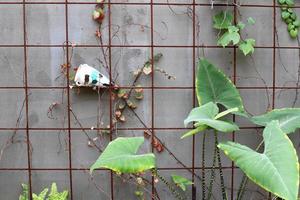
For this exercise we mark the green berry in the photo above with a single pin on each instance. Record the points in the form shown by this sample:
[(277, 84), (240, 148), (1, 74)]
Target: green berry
[(285, 15), (291, 27), (294, 33), (296, 23)]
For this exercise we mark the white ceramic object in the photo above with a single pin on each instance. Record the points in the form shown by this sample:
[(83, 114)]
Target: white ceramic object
[(90, 77)]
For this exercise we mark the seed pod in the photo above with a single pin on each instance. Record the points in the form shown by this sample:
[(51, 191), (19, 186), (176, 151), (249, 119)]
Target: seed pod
[(121, 93), (118, 113), (122, 118), (121, 105), (131, 105), (139, 96)]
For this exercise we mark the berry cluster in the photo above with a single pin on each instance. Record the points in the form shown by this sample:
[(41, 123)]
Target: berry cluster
[(290, 17)]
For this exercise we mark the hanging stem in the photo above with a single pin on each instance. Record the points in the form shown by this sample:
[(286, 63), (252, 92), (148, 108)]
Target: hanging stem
[(203, 167), (224, 195), (212, 174), (171, 188)]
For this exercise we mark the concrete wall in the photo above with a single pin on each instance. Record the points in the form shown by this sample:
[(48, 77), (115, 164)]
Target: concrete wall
[(45, 25)]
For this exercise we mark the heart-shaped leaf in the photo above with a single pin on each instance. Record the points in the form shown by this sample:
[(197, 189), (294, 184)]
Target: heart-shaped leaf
[(120, 156), (206, 116), (212, 85), (276, 169), (288, 118)]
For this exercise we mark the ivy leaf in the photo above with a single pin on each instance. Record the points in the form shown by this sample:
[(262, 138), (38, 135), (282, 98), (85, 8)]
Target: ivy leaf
[(212, 85), (288, 119), (222, 20), (205, 116), (230, 36), (241, 25), (276, 169), (120, 156), (251, 21), (247, 46), (181, 181)]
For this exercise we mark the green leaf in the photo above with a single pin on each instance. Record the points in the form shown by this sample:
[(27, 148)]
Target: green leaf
[(212, 85), (55, 195), (251, 21), (241, 25), (25, 192), (276, 169), (41, 196), (247, 46), (120, 156), (288, 118), (205, 115), (181, 181), (231, 36), (222, 20)]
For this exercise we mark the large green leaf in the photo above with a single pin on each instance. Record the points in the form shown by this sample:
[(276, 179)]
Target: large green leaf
[(205, 116), (212, 85), (276, 169), (289, 119), (120, 156)]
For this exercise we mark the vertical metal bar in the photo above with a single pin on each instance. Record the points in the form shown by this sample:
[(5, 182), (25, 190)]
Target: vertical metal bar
[(152, 84), (110, 93), (26, 100), (234, 81), (68, 99), (194, 95)]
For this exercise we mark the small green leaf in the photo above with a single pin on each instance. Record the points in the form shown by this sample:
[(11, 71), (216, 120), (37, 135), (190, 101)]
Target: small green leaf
[(288, 119), (222, 20), (251, 21), (276, 169), (285, 15), (241, 25), (247, 46), (181, 181), (120, 156), (230, 36)]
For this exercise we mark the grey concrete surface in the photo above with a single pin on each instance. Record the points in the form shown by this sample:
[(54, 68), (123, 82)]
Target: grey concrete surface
[(45, 25)]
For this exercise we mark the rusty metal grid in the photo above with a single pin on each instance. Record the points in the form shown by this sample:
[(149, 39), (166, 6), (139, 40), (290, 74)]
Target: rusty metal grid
[(70, 169)]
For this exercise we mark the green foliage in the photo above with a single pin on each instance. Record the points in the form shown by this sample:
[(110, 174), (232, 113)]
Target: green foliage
[(207, 116), (290, 17), (25, 192), (288, 119), (230, 36), (212, 85), (41, 196), (120, 156), (276, 169), (247, 46), (181, 181), (53, 195), (223, 21)]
